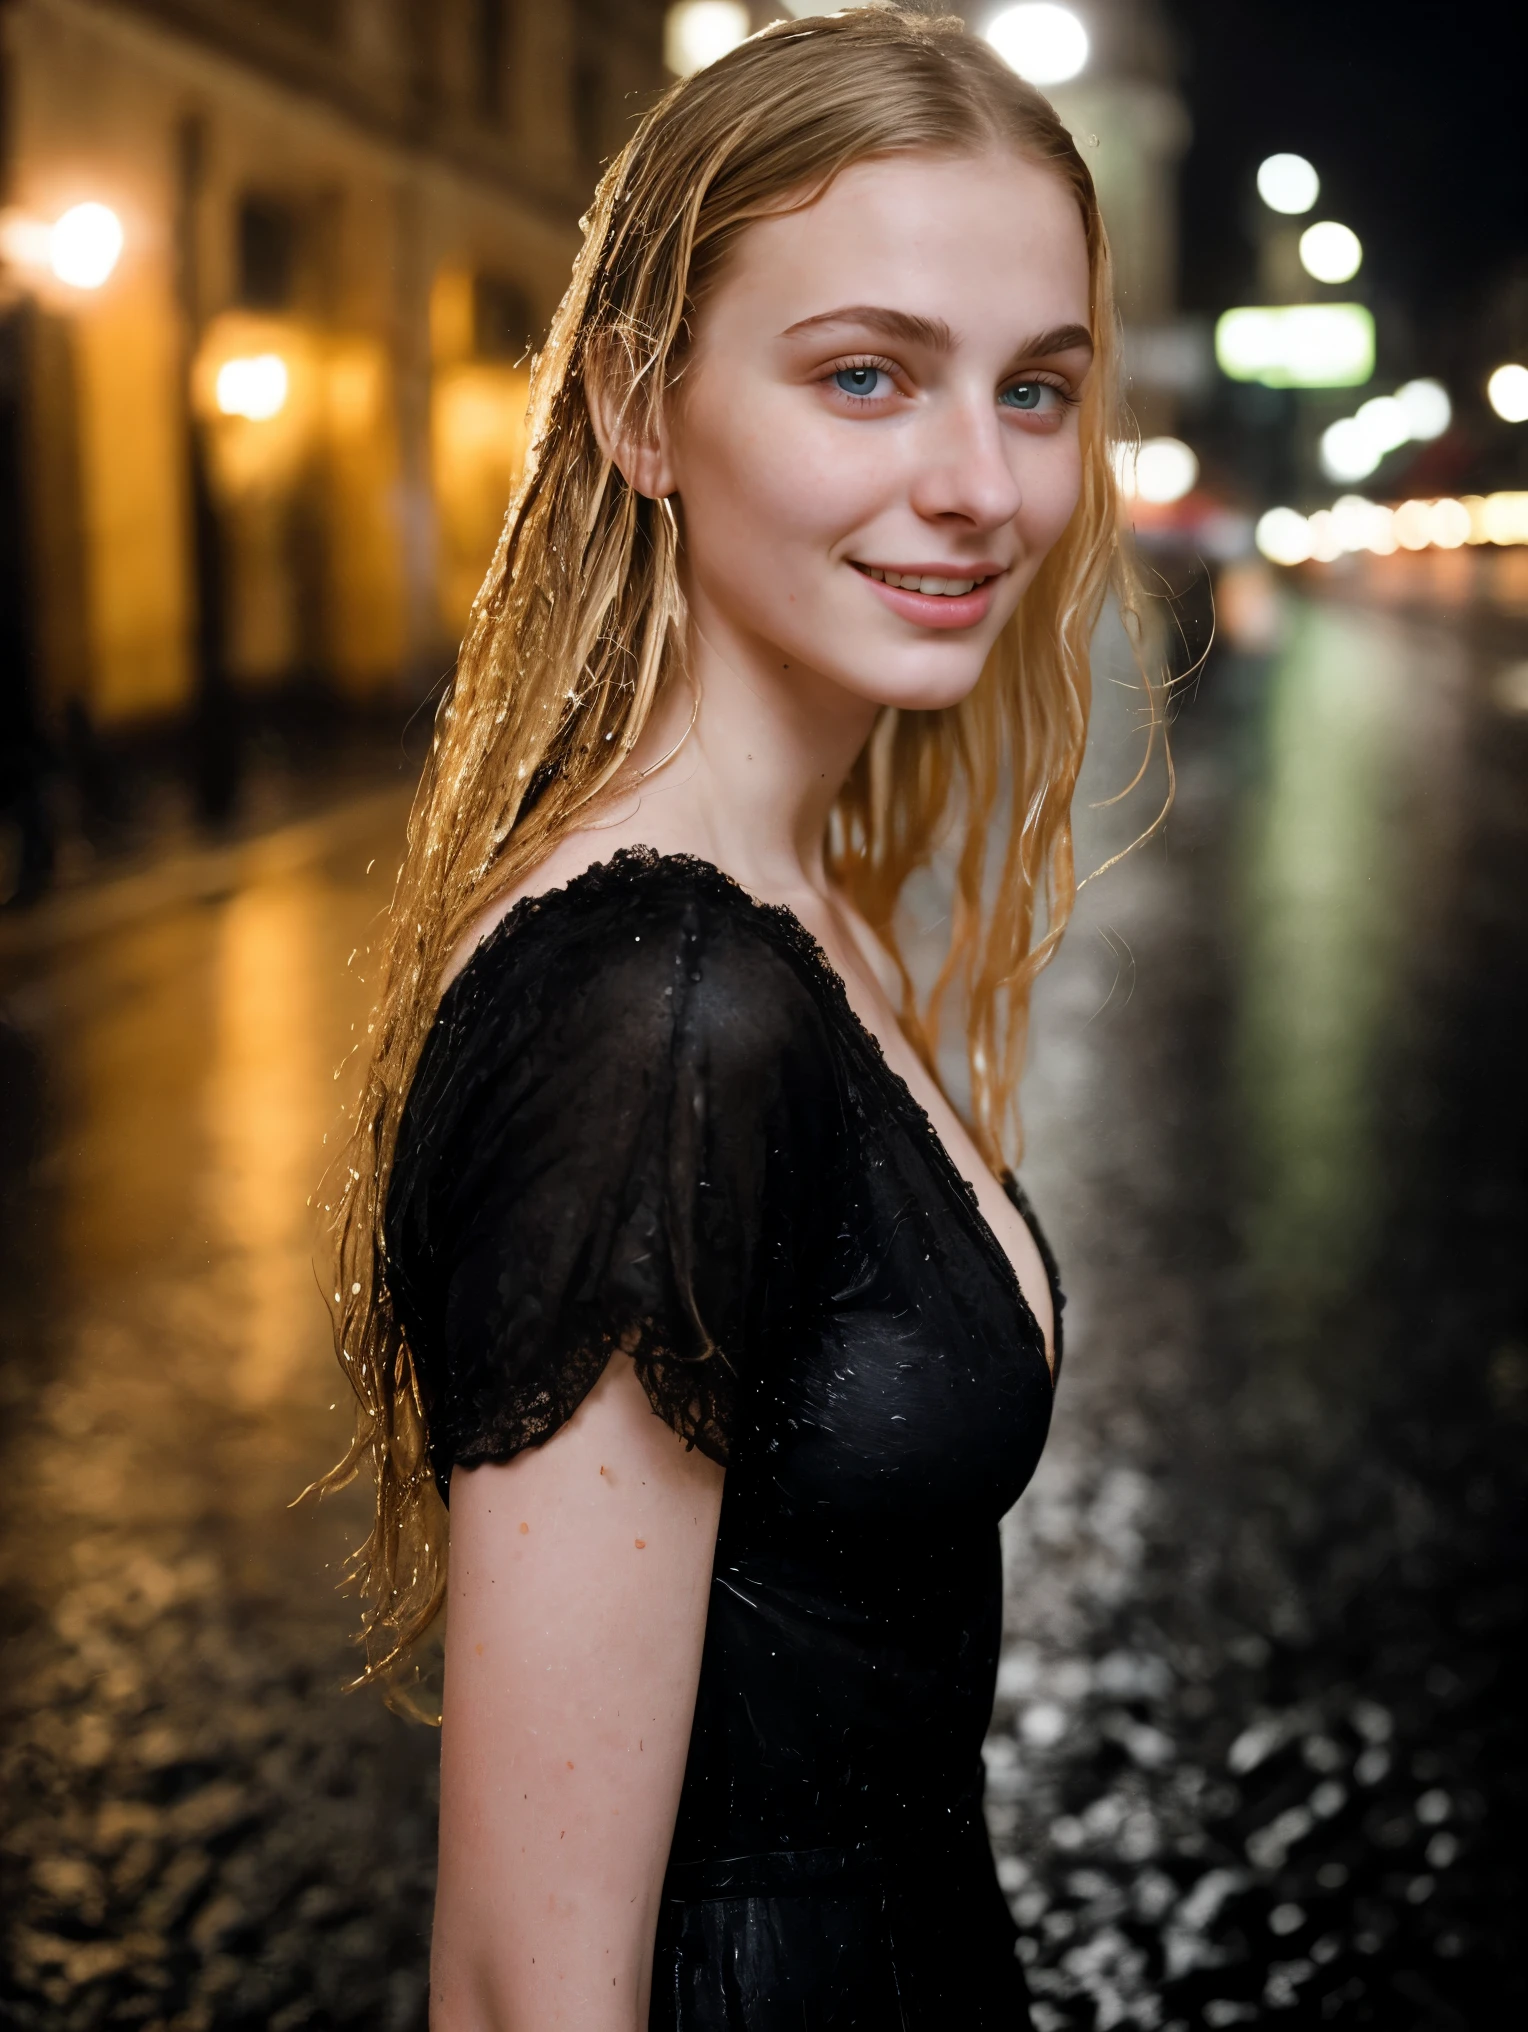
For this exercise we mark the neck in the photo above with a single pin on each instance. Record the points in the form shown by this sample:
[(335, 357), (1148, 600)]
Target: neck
[(756, 776)]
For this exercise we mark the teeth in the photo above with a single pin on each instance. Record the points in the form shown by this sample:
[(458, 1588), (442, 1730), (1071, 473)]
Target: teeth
[(913, 582)]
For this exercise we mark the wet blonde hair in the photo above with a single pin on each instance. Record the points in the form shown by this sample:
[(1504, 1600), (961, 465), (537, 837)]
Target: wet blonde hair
[(580, 624)]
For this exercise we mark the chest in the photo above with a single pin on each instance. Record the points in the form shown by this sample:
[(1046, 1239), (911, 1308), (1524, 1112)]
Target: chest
[(913, 1387)]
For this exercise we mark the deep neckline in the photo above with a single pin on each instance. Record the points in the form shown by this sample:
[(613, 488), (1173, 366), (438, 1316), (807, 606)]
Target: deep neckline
[(808, 949)]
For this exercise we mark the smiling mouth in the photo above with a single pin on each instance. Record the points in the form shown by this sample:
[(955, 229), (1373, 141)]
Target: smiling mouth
[(924, 582)]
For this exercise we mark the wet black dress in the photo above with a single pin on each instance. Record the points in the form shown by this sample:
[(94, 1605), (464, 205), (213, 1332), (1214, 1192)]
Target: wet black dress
[(648, 1121)]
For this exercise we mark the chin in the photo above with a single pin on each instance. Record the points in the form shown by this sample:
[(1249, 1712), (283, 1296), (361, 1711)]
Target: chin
[(914, 681)]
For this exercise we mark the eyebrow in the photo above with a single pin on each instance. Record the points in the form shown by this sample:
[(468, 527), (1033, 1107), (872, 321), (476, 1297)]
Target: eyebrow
[(935, 333)]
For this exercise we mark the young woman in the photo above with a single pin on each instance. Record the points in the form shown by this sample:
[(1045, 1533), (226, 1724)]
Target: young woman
[(816, 523)]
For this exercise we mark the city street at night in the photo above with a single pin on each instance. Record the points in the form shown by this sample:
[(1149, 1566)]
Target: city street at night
[(1258, 1750), (1203, 328)]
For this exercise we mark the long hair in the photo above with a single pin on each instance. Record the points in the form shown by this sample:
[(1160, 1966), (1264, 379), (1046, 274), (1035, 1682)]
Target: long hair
[(580, 624)]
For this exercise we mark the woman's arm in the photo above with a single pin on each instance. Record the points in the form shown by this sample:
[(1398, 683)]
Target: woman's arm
[(579, 1579)]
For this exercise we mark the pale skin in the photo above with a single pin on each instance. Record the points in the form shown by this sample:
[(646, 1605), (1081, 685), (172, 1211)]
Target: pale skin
[(884, 381)]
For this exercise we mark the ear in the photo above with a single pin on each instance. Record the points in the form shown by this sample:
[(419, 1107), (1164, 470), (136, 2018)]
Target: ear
[(630, 435)]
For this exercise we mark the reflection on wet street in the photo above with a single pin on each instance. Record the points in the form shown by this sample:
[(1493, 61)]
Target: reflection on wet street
[(1258, 1746)]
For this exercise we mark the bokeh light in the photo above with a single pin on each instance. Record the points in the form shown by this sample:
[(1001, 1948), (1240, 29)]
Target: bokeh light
[(1413, 525), (1354, 446), (1348, 451), (1448, 524), (1507, 392), (1283, 536), (1499, 518), (1330, 251), (1045, 44), (1427, 409), (1161, 470), (1297, 345), (255, 387), (1288, 184), (85, 245), (1360, 524), (697, 32)]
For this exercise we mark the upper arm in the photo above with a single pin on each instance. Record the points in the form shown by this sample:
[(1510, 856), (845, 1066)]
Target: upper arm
[(579, 1578), (596, 1212)]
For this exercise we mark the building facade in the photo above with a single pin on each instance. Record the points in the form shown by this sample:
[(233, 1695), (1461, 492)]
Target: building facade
[(276, 440)]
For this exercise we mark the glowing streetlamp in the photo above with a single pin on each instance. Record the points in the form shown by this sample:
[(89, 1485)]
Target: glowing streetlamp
[(254, 387), (85, 245), (1330, 252), (1288, 184), (1507, 392), (1045, 44), (697, 32)]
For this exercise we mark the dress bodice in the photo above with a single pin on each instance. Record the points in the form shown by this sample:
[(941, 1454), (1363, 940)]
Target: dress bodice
[(648, 1125)]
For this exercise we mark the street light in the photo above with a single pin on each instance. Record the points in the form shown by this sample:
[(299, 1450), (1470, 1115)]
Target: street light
[(1288, 184), (1045, 44), (1330, 252), (1507, 392), (85, 245), (253, 387), (697, 32)]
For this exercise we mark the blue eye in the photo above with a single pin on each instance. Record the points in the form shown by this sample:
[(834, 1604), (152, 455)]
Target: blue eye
[(860, 380), (1028, 395)]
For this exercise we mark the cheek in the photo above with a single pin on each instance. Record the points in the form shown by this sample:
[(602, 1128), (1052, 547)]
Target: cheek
[(770, 486), (1052, 485)]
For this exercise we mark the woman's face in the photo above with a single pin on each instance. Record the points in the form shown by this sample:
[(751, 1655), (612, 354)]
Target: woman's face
[(876, 438)]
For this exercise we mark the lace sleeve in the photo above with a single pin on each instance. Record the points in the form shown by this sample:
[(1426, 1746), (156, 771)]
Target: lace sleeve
[(602, 1155)]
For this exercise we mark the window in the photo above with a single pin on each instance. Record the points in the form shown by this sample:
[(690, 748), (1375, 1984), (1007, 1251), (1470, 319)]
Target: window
[(267, 253), (502, 321), (490, 56)]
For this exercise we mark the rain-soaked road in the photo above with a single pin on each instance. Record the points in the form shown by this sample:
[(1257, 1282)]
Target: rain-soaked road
[(1258, 1754)]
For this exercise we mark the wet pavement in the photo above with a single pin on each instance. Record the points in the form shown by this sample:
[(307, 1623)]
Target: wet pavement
[(1258, 1754)]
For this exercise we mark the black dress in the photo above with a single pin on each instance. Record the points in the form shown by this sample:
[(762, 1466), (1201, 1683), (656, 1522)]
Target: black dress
[(648, 1121)]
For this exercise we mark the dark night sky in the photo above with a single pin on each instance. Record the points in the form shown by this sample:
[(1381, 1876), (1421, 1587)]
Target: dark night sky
[(1416, 116)]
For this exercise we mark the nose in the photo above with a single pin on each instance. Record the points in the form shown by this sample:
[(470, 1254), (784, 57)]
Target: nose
[(967, 467)]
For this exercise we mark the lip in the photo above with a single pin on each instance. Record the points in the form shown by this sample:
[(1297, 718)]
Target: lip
[(936, 610)]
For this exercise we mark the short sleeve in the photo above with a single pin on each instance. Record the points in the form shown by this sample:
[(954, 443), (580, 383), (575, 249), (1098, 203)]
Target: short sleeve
[(615, 1145)]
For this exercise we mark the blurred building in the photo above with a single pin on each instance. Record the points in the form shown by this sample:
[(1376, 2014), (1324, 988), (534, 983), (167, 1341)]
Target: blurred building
[(273, 440), (276, 441)]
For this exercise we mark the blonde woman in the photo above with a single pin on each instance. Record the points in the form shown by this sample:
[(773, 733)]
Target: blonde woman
[(816, 523)]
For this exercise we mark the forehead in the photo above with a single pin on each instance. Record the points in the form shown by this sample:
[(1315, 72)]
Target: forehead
[(982, 241)]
